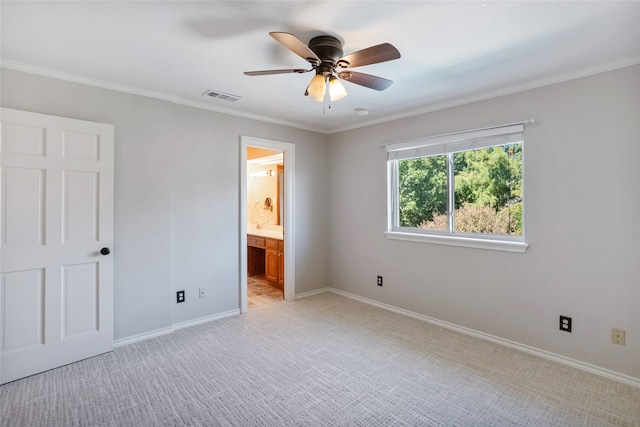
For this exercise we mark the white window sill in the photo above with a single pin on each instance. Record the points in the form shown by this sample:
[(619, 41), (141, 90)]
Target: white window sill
[(467, 242)]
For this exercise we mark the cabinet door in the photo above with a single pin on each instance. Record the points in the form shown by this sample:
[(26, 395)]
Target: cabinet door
[(272, 265), (281, 264), (281, 269)]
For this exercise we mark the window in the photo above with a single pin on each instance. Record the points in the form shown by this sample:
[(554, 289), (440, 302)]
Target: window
[(462, 189)]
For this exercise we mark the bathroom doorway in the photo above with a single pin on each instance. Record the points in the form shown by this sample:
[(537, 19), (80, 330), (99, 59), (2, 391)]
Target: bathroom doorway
[(266, 232), (265, 236)]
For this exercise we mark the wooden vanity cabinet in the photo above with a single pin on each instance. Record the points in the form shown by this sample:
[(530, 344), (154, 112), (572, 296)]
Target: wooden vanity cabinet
[(255, 255), (274, 262), (256, 241), (281, 264), (265, 255)]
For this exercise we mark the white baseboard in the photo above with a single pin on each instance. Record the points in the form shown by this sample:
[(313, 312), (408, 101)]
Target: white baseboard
[(616, 376), (206, 319), (312, 293), (164, 331), (141, 337)]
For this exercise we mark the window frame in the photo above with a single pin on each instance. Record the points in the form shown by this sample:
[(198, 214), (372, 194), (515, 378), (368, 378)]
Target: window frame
[(448, 145)]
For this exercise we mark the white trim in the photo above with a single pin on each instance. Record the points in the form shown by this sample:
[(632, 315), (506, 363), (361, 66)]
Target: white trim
[(205, 319), (289, 214), (567, 361), (31, 69), (612, 375), (466, 242), (165, 331), (141, 337), (509, 90), (312, 293)]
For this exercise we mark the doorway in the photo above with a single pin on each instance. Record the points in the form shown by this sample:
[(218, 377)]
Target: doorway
[(270, 243), (265, 236)]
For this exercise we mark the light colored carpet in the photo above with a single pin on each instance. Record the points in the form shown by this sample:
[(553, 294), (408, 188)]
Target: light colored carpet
[(321, 361)]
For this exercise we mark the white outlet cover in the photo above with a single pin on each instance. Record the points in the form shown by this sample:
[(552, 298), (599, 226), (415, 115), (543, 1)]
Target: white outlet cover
[(618, 336)]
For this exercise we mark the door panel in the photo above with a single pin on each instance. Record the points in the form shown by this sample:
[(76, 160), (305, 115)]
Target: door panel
[(80, 299), (81, 146), (80, 206), (24, 315), (23, 201), (23, 139), (56, 211)]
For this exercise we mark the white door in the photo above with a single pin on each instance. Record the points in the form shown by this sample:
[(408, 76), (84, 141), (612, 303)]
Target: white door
[(56, 215)]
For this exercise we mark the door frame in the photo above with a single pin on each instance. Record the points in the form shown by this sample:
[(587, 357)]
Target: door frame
[(289, 220)]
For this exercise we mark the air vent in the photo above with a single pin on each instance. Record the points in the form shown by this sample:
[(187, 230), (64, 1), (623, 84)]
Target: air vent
[(221, 95)]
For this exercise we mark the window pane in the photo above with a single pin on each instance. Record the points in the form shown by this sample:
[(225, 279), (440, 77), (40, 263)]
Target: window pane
[(422, 188), (488, 190)]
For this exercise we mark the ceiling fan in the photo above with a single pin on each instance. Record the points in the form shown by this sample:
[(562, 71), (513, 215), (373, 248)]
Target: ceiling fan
[(325, 55)]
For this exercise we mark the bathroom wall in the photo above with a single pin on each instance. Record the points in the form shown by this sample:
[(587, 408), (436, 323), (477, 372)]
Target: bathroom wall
[(259, 189)]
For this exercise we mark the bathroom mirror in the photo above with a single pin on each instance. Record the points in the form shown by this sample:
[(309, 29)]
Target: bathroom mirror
[(265, 189)]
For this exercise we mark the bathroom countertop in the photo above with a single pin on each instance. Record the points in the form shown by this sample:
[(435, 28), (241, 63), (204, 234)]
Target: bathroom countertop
[(272, 234)]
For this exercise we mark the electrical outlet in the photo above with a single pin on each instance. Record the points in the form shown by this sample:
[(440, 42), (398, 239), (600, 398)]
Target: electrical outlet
[(180, 296), (201, 293), (565, 323), (617, 336), (379, 280)]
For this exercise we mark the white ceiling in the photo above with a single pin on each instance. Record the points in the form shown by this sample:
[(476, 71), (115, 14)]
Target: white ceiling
[(452, 52)]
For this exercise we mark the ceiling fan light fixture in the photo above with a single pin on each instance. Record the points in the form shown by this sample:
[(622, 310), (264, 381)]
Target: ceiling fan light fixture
[(325, 55), (336, 89), (317, 88)]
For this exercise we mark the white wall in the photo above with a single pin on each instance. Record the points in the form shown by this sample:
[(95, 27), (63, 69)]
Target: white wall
[(177, 214), (177, 202), (582, 218)]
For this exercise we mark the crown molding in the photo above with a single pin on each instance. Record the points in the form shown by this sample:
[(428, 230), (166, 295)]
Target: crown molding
[(509, 90), (74, 78)]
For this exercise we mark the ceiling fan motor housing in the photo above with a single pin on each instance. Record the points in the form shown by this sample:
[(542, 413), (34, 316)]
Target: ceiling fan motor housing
[(325, 55), (328, 49)]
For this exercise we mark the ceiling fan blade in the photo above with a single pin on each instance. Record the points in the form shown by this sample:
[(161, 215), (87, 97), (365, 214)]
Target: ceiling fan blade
[(366, 80), (267, 72), (371, 55), (294, 44)]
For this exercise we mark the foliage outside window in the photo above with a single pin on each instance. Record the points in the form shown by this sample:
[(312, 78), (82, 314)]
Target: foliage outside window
[(462, 185)]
